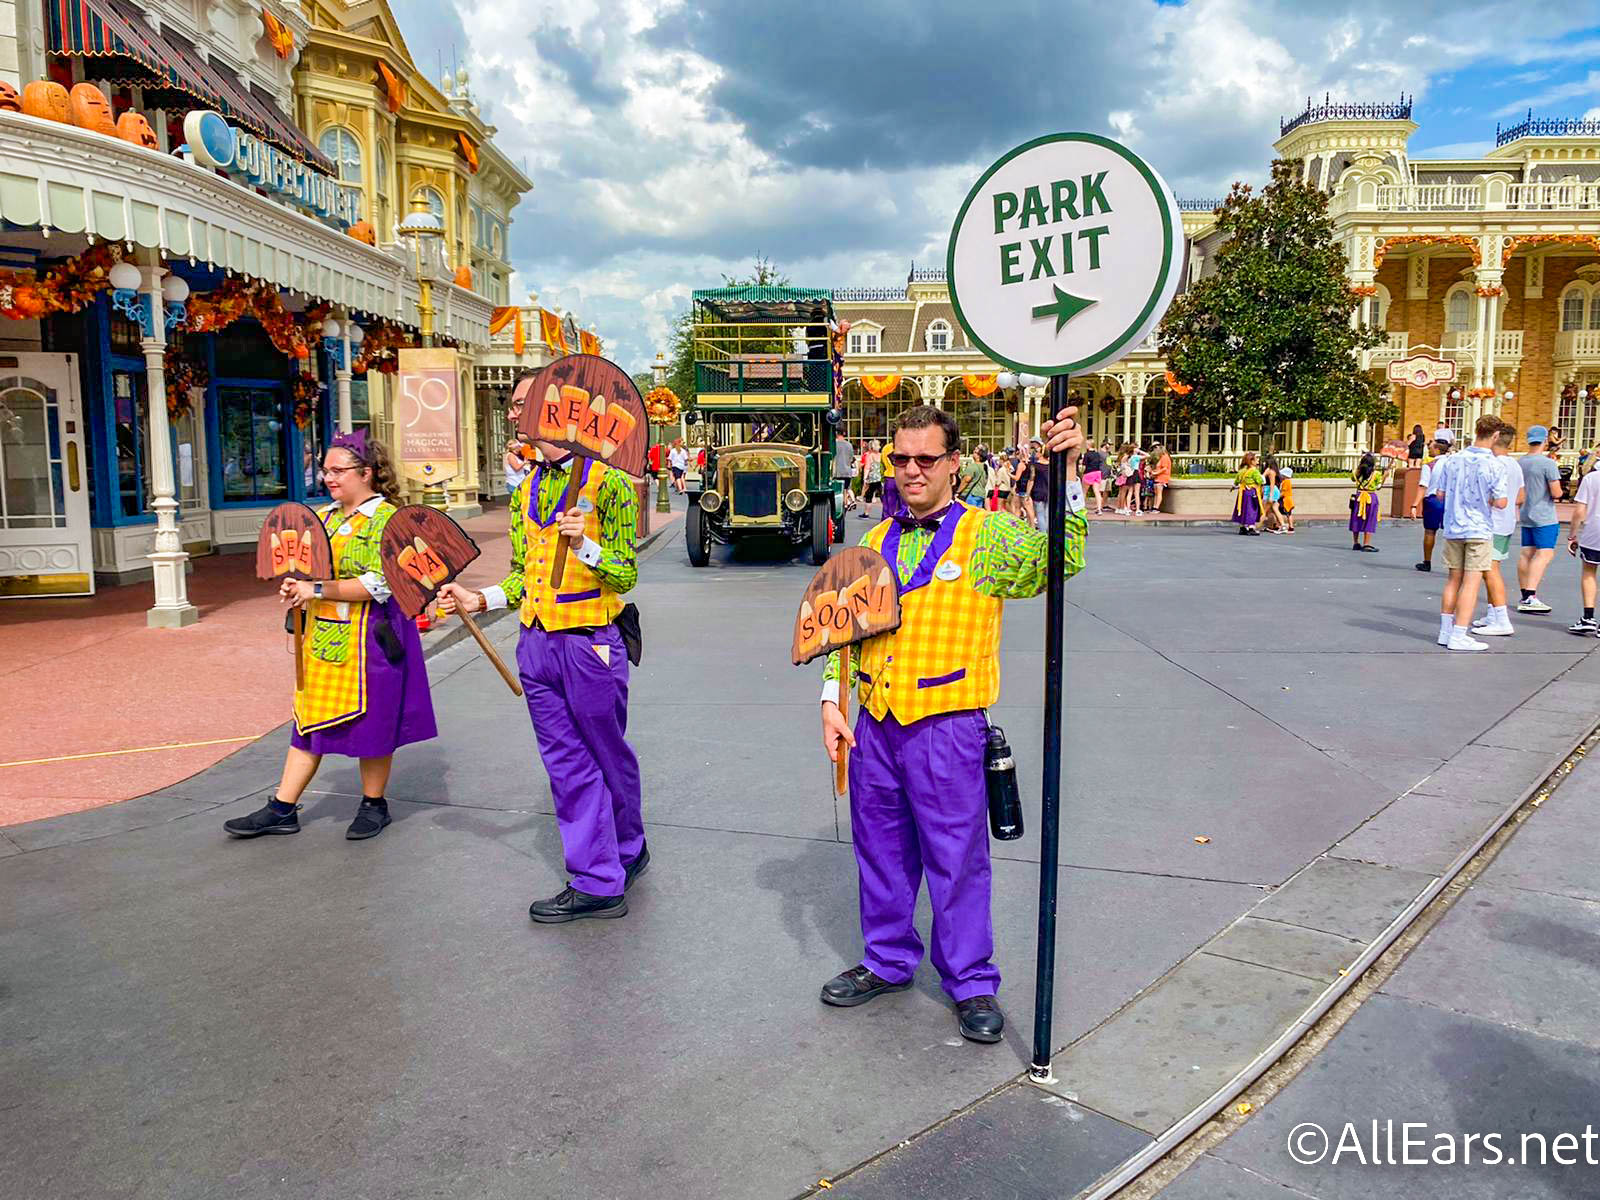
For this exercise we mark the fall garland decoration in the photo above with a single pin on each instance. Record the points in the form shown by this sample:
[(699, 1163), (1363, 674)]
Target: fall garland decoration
[(1428, 239), (184, 376), (879, 386), (1364, 290), (378, 349), (981, 385), (305, 391), (1176, 386), (1109, 404), (1490, 290), (1481, 393), (661, 405), (1513, 244), (235, 297), (67, 287)]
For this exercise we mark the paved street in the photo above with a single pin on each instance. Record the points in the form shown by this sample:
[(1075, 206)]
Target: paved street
[(182, 1015)]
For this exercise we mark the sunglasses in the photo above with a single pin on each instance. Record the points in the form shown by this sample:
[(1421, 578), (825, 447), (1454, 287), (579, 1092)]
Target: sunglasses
[(926, 461)]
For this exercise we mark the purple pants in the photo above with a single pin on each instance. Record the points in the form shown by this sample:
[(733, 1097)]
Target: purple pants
[(919, 806), (576, 686), (891, 497)]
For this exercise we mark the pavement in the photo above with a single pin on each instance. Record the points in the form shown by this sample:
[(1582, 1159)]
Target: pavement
[(1269, 764)]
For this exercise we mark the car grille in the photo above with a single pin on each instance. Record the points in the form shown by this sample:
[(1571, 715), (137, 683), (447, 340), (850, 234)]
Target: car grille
[(755, 494)]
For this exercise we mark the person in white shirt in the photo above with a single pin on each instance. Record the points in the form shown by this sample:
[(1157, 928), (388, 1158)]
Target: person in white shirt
[(1584, 542), (678, 464), (1472, 487), (1504, 523)]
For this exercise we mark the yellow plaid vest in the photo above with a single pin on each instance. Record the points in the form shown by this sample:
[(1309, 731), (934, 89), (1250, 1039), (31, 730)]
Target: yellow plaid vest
[(581, 598), (945, 657)]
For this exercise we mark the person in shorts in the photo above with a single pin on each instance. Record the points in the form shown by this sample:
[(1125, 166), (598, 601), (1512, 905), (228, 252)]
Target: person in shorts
[(1541, 480), (1428, 505), (1497, 622), (871, 477), (1286, 497), (1584, 541), (1472, 487)]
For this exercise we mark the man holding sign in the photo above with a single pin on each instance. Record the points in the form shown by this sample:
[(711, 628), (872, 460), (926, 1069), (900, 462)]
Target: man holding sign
[(572, 658), (918, 798)]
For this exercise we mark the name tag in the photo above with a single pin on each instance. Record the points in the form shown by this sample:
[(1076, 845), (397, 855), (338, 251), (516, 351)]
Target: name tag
[(949, 571)]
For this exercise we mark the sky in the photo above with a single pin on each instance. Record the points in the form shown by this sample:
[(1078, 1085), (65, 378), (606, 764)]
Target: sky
[(671, 142)]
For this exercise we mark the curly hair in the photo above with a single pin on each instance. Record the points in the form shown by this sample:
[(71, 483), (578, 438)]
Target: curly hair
[(385, 480)]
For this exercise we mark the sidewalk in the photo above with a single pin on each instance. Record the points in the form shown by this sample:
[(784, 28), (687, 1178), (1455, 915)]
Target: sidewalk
[(1487, 1027), (112, 709)]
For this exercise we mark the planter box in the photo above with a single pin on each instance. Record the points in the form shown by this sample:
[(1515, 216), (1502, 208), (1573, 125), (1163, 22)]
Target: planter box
[(1214, 497)]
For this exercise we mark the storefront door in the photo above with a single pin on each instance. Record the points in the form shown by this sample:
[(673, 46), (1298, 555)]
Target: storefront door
[(44, 480)]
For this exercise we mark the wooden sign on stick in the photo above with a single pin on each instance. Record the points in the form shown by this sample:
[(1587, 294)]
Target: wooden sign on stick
[(422, 550), (590, 406), (852, 597), (293, 544)]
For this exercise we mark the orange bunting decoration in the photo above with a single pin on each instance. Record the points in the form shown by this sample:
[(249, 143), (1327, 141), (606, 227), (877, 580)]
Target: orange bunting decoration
[(363, 231), (279, 34), (396, 93), (981, 385), (510, 315), (879, 386), (463, 277), (468, 151), (588, 343), (554, 336)]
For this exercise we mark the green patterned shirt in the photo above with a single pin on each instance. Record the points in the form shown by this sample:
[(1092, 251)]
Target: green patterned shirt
[(1010, 559), (618, 567)]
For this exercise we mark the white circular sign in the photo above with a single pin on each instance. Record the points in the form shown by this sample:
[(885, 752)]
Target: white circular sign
[(1065, 253)]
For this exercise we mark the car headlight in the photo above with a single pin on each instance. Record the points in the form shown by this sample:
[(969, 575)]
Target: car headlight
[(796, 500), (710, 501)]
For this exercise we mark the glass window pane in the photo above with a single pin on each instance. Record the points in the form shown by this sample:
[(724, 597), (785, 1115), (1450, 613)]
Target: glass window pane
[(127, 400), (254, 444), (1456, 317), (360, 414), (1571, 312), (25, 489)]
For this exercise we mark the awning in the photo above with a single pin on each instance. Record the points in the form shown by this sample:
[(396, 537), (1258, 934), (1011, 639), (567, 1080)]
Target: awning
[(767, 302), (108, 28)]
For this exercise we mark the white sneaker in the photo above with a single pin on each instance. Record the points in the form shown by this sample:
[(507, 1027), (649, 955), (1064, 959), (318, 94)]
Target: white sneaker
[(1460, 641), (1533, 605), (1502, 629)]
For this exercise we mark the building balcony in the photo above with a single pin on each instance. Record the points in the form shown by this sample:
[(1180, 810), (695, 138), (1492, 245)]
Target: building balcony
[(1507, 346), (1494, 195), (1578, 345), (1395, 346)]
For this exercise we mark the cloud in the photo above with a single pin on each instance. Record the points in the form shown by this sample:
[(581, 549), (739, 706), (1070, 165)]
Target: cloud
[(671, 141)]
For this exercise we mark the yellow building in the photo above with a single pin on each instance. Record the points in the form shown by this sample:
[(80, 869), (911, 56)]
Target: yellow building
[(397, 139), (1490, 265)]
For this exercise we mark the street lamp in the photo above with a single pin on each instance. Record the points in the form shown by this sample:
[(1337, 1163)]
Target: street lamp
[(424, 230), (658, 371)]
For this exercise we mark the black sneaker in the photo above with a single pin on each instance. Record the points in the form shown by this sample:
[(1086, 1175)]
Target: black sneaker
[(371, 817), (637, 867), (573, 905), (1584, 627), (265, 819), (1424, 566), (980, 1019), (856, 986)]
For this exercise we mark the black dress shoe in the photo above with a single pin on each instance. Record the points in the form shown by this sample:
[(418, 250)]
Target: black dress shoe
[(980, 1019), (856, 986), (637, 867), (369, 822), (265, 819), (573, 905)]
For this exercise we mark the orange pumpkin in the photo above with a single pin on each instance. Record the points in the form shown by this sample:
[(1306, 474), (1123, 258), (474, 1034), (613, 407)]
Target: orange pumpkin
[(362, 231), (90, 111), (132, 127), (464, 277), (29, 301), (47, 100), (9, 100)]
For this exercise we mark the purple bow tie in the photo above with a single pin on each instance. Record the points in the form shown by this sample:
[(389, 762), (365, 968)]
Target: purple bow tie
[(905, 520)]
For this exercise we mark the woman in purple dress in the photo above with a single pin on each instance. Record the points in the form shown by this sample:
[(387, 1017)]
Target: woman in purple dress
[(366, 688)]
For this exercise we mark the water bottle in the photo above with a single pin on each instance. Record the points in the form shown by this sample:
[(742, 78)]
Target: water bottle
[(1000, 773)]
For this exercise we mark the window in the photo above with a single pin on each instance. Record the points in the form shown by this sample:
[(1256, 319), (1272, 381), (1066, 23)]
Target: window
[(434, 201), (132, 435), (863, 341), (1166, 419), (340, 145), (855, 343), (1450, 414), (254, 443), (938, 337), (1375, 308), (31, 495), (1572, 309), (380, 188), (1458, 312)]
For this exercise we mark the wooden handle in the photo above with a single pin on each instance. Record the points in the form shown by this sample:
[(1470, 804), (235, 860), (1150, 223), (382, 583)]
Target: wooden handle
[(489, 652), (841, 769), (574, 486), (300, 649)]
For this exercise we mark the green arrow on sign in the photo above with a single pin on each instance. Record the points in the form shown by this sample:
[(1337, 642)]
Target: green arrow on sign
[(1065, 307)]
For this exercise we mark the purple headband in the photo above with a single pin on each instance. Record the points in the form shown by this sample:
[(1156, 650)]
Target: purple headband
[(355, 442)]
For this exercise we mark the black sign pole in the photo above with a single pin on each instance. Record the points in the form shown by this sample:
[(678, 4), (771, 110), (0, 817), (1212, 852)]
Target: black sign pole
[(1050, 814)]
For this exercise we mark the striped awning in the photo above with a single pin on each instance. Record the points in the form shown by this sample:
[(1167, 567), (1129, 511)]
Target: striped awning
[(108, 28)]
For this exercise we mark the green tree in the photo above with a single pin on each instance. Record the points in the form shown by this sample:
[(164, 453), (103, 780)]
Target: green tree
[(1268, 337)]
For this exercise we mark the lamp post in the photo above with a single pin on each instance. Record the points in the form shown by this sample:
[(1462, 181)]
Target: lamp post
[(424, 230), (658, 370)]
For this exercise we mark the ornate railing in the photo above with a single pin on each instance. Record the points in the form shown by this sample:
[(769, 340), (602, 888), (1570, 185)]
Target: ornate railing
[(925, 274), (1507, 343), (867, 295), (1199, 205), (1415, 197), (1578, 344), (1329, 111), (1531, 126)]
